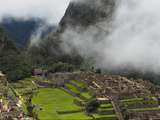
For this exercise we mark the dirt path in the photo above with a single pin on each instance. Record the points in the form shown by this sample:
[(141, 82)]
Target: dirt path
[(116, 108)]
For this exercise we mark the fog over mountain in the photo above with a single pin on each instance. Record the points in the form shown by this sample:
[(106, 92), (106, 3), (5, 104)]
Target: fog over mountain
[(130, 39), (49, 10), (127, 37), (28, 20), (20, 31), (23, 32)]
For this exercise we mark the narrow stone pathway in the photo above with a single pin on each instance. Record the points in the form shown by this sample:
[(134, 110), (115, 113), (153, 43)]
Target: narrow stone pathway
[(116, 108)]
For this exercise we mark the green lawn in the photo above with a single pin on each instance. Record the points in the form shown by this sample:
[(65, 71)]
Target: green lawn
[(86, 95), (138, 103), (132, 99), (79, 83), (105, 116), (106, 105), (75, 90), (145, 109), (72, 88), (106, 109), (52, 100)]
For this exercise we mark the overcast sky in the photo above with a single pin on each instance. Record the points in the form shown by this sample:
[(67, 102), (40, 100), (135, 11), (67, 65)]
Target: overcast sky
[(50, 10)]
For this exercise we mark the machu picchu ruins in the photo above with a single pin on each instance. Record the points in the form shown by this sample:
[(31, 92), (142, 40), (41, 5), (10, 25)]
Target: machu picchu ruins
[(119, 98), (79, 60)]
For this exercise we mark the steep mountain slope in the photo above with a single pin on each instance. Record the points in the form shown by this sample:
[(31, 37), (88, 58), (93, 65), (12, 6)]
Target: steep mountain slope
[(22, 30), (13, 62), (77, 15), (6, 45), (87, 13), (82, 15)]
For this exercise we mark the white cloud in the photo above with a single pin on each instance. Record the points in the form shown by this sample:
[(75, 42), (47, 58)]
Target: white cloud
[(134, 40), (50, 10)]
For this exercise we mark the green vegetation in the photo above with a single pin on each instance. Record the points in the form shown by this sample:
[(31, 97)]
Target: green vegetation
[(48, 104), (92, 106), (56, 103), (78, 83), (132, 99), (52, 100), (13, 62), (145, 109), (16, 66), (76, 86), (49, 53), (75, 90), (24, 89), (113, 116), (18, 63), (106, 109), (72, 88), (86, 95), (139, 105), (106, 105), (139, 102), (61, 67)]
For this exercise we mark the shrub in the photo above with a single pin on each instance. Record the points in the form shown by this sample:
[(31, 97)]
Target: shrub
[(98, 71), (16, 67), (61, 67), (92, 106)]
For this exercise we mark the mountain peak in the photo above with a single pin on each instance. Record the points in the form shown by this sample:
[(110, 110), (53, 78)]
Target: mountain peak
[(87, 12)]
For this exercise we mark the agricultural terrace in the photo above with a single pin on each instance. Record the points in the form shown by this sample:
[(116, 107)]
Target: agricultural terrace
[(49, 102), (69, 103), (141, 104)]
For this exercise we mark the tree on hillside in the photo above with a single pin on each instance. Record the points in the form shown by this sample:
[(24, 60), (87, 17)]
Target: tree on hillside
[(13, 62)]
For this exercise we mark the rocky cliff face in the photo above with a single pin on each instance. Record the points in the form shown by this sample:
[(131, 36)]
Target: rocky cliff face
[(87, 13)]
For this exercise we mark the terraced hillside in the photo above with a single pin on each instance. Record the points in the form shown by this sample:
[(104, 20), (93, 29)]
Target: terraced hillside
[(133, 99), (11, 104), (88, 96), (70, 102), (57, 104), (141, 106)]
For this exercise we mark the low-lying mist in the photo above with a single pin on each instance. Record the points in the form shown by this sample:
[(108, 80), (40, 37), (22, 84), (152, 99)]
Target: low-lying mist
[(49, 10), (130, 40)]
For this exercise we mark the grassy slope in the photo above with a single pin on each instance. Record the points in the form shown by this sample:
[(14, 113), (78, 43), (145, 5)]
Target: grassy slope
[(105, 116), (75, 90), (52, 100), (145, 109), (79, 83)]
